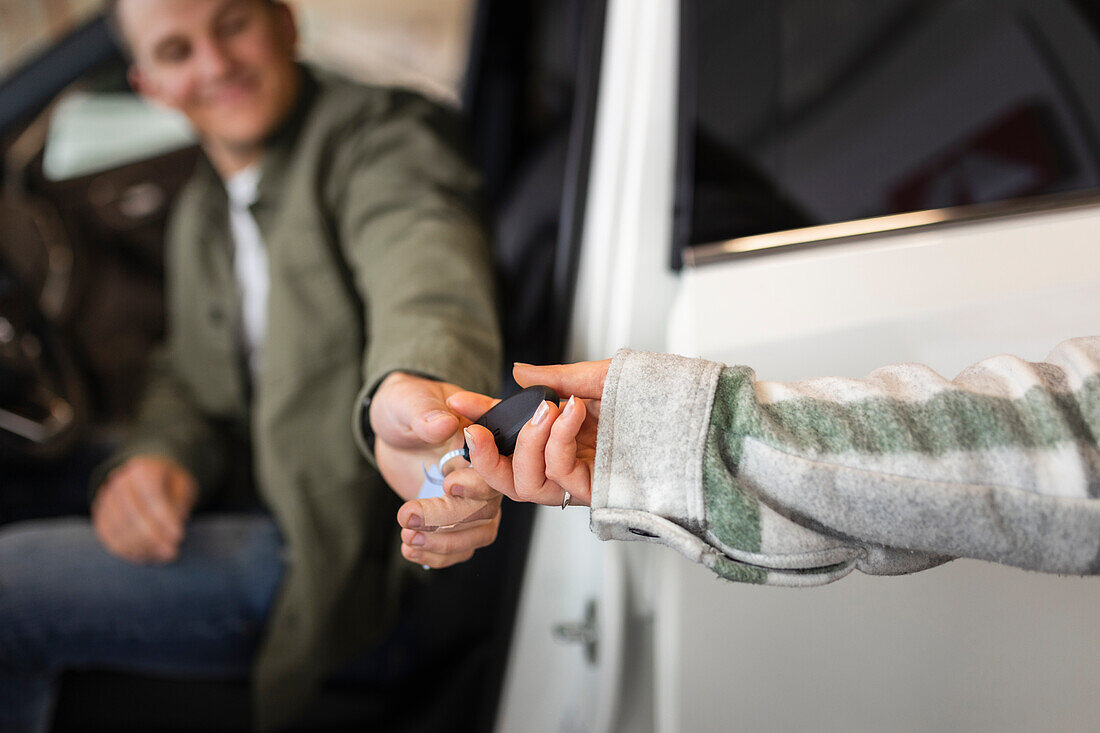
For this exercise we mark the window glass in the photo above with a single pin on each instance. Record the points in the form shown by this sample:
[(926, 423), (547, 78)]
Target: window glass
[(802, 112), (422, 44), (28, 26)]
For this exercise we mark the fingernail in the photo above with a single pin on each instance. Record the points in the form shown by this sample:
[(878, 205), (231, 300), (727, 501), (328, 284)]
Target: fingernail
[(458, 491), (520, 363), (418, 540), (572, 401), (540, 414), (436, 415), (469, 441), (415, 521)]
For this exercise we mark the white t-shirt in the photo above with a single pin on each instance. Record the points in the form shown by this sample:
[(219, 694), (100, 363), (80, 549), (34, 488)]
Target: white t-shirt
[(249, 265)]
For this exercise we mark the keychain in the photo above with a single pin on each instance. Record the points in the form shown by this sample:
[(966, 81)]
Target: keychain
[(504, 420)]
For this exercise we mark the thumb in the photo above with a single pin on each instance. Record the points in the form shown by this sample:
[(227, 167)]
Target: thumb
[(412, 413), (584, 379), (184, 493), (470, 405)]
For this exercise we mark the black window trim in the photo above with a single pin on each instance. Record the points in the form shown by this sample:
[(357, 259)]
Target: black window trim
[(686, 102), (33, 85)]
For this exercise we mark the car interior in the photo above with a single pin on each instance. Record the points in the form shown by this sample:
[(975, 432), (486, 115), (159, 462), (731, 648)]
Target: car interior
[(89, 175)]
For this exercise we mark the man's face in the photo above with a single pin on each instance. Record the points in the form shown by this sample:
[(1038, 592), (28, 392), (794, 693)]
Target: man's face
[(228, 65)]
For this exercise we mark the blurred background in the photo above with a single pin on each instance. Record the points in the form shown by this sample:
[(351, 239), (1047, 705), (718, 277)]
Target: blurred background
[(88, 173), (417, 43)]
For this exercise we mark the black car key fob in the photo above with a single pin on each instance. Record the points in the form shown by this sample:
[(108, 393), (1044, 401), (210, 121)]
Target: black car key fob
[(505, 419)]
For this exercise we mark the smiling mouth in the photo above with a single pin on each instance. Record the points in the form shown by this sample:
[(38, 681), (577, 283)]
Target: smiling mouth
[(232, 90), (230, 95)]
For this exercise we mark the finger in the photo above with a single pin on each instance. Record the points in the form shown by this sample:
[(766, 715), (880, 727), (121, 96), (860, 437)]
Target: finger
[(584, 379), (431, 559), (529, 460), (451, 543), (561, 445), (117, 534), (153, 499), (592, 407), (470, 405), (434, 424), (105, 524), (139, 533), (468, 483), (412, 414), (184, 493), (431, 515), (111, 516), (562, 466), (494, 468)]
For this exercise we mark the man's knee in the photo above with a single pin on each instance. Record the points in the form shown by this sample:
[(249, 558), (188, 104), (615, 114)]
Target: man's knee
[(35, 578)]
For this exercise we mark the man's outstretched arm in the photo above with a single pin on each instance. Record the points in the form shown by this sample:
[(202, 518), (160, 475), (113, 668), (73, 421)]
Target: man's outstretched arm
[(419, 258)]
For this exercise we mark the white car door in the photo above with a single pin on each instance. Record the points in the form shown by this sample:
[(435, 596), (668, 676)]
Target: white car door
[(967, 646)]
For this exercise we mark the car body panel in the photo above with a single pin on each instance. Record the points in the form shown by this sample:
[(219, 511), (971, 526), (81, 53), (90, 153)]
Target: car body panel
[(967, 646)]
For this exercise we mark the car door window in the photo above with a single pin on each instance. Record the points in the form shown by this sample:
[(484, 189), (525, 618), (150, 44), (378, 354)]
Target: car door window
[(797, 113)]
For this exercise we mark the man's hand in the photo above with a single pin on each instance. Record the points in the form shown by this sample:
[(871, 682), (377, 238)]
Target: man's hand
[(556, 449), (446, 530), (413, 428), (140, 510)]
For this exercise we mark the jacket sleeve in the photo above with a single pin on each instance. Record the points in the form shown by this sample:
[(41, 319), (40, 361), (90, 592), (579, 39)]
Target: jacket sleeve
[(418, 253), (800, 483)]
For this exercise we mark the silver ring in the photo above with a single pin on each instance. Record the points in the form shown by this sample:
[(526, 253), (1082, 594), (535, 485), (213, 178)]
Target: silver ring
[(565, 500)]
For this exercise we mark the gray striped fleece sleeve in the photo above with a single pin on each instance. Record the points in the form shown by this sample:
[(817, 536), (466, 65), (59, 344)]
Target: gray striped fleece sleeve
[(800, 483)]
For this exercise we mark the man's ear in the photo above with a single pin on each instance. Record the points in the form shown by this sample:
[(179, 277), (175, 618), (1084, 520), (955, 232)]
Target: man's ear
[(143, 85), (136, 79)]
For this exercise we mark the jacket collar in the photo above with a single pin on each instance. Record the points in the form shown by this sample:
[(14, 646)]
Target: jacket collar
[(280, 145)]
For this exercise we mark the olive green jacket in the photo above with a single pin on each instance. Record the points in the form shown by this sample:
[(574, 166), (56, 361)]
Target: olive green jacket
[(377, 263)]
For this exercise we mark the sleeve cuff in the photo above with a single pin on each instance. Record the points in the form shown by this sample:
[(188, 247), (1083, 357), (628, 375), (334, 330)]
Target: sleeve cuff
[(648, 480), (654, 416)]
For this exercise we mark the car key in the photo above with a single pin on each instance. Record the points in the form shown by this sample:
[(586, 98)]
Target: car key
[(504, 420)]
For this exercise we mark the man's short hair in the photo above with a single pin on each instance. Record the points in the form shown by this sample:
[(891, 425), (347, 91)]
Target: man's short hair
[(114, 26)]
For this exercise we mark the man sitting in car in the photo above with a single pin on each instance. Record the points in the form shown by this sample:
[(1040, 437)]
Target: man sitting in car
[(328, 287)]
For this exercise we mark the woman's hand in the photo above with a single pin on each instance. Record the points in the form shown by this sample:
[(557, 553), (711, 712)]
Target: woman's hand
[(556, 450)]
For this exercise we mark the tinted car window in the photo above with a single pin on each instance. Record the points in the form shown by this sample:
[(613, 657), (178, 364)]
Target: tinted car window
[(801, 112)]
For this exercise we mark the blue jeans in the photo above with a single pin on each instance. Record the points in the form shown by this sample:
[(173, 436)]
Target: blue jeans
[(66, 603)]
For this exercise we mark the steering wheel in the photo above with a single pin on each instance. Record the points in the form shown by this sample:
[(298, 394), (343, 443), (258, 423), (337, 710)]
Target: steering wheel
[(43, 400)]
